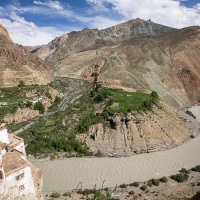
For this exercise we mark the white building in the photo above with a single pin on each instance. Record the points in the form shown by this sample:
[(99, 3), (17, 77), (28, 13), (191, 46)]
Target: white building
[(16, 180), (3, 134)]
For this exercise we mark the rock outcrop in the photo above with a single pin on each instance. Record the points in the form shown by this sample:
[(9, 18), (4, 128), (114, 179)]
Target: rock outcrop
[(139, 133)]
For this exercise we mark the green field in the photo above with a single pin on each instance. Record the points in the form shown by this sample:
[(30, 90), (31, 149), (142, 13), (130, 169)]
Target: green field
[(126, 100)]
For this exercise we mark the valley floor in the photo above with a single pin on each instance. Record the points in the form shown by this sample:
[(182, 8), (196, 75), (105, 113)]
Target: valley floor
[(66, 174)]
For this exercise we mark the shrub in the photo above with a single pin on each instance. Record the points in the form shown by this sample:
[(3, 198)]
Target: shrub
[(181, 177), (28, 104), (67, 194), (131, 192), (98, 154), (154, 95), (184, 171), (98, 195), (143, 188), (88, 191), (135, 184), (21, 84), (39, 106), (48, 94), (190, 113), (196, 169), (57, 100), (149, 183), (123, 185), (55, 195), (164, 179), (155, 182)]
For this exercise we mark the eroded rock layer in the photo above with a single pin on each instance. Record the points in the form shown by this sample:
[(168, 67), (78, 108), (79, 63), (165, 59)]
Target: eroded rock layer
[(140, 132)]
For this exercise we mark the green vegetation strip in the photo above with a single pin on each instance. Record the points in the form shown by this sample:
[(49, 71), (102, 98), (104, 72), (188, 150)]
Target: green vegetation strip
[(55, 135)]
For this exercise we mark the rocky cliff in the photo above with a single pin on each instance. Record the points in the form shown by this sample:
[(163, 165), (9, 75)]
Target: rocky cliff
[(140, 132), (17, 63)]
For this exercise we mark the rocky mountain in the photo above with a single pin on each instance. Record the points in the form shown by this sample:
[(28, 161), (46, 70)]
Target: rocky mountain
[(17, 63), (88, 39), (43, 51), (136, 55)]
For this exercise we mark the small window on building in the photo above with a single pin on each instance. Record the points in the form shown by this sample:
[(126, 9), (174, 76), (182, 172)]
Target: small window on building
[(19, 176), (21, 187), (1, 175)]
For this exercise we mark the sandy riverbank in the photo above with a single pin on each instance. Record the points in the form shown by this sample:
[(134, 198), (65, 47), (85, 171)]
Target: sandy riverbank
[(61, 175), (196, 111)]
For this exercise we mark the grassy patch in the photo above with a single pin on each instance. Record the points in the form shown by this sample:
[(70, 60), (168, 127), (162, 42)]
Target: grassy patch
[(123, 101)]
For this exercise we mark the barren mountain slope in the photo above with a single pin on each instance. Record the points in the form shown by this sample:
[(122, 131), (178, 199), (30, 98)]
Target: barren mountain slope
[(93, 38), (17, 63), (168, 64), (43, 51)]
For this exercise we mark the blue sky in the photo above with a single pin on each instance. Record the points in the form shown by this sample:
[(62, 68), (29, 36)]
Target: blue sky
[(35, 22)]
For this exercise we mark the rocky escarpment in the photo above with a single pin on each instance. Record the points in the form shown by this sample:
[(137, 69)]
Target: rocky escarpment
[(162, 129), (17, 63)]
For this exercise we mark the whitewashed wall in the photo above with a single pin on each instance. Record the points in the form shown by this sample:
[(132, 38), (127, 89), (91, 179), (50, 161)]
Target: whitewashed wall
[(21, 148), (4, 136), (11, 186)]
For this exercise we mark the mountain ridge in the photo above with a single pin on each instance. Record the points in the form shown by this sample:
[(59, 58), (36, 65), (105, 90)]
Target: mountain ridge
[(17, 63), (137, 55)]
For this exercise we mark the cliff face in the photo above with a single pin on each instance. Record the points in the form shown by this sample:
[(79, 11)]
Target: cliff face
[(17, 63), (139, 133)]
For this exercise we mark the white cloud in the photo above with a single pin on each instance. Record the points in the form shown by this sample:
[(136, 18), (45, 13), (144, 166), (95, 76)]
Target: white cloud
[(52, 4), (168, 12), (27, 33), (99, 6), (100, 14)]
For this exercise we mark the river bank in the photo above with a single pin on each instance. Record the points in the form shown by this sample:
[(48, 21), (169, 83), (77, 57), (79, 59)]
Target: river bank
[(61, 175)]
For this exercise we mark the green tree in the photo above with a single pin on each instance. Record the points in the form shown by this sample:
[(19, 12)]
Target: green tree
[(39, 106)]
